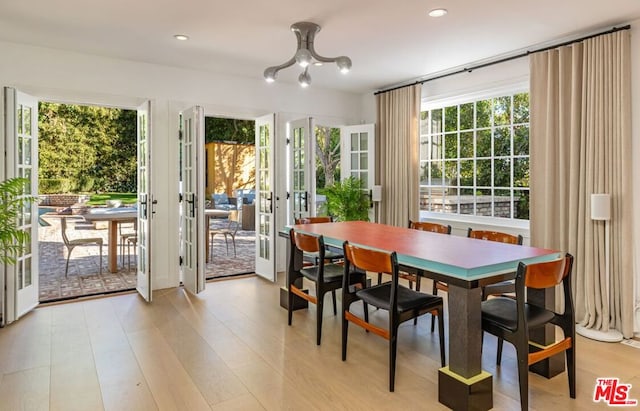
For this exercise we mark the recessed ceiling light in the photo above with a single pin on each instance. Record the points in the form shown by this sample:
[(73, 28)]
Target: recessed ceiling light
[(181, 37), (437, 12)]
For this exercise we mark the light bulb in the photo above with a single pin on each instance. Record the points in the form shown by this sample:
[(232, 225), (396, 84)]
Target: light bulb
[(303, 57), (304, 79), (344, 64), (270, 74)]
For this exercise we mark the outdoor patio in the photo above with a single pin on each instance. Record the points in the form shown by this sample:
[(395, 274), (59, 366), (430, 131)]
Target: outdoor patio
[(83, 278)]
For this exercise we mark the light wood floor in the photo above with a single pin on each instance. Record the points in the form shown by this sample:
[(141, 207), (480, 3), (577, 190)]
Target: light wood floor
[(231, 349)]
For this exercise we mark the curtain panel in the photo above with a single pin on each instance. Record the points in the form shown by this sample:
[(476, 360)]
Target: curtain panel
[(580, 143), (398, 123)]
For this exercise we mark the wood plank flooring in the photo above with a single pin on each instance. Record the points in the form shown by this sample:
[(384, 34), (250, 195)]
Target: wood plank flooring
[(230, 349)]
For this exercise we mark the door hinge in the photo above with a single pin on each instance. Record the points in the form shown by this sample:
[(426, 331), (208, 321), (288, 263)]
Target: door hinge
[(288, 195), (288, 141), (180, 135), (180, 197), (181, 260)]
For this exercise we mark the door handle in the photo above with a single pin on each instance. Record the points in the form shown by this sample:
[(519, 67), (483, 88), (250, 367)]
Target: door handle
[(270, 199), (143, 205), (306, 201)]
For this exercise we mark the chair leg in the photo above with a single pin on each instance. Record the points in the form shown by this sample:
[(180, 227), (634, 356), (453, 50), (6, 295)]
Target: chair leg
[(571, 369), (319, 310), (333, 297), (499, 351), (345, 332), (100, 269), (379, 278), (434, 291), (393, 346), (226, 242), (66, 268), (523, 374), (443, 360), (233, 239)]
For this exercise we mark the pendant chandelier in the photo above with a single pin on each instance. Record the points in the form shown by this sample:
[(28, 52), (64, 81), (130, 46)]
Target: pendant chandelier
[(306, 55)]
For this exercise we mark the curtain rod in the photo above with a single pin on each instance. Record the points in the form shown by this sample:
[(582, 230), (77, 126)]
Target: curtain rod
[(505, 59)]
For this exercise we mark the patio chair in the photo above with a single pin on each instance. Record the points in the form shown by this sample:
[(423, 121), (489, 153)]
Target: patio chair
[(71, 244), (229, 231)]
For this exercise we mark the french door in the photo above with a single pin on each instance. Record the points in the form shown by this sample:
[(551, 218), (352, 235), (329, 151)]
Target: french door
[(265, 200), (192, 218), (146, 203), (21, 145), (300, 191), (357, 155)]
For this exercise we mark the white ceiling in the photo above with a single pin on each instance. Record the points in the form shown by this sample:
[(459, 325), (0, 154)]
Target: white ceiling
[(388, 41)]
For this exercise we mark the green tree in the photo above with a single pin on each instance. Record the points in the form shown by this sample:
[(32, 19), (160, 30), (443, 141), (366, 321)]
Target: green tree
[(229, 129), (327, 156), (94, 147)]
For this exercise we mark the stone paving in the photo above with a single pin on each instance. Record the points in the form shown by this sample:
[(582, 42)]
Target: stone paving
[(84, 278)]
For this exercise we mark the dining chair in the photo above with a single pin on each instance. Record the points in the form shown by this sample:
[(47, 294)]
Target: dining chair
[(401, 302), (326, 277), (503, 287), (512, 320), (125, 236), (415, 278), (229, 231), (71, 244), (329, 254)]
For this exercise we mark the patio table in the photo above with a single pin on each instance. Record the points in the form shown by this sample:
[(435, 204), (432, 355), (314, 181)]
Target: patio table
[(114, 216)]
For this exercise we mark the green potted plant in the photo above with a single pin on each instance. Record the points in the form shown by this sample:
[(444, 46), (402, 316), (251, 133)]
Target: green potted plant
[(347, 200), (12, 202)]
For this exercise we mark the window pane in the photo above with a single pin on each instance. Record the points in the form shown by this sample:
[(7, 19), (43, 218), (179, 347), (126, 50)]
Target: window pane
[(364, 176), (451, 172), (521, 172), (436, 147), (364, 161), (484, 202), (424, 147), (483, 173), (364, 143), (502, 111), (466, 172), (521, 108), (502, 173), (466, 116), (424, 122), (436, 172), (424, 173), (522, 204), (354, 141), (450, 202), (436, 121), (502, 204), (521, 140), (355, 164), (483, 143), (502, 142), (466, 144), (451, 145), (451, 118), (483, 113)]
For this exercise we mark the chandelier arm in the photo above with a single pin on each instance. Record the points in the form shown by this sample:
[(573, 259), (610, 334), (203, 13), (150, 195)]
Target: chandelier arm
[(321, 58), (284, 65)]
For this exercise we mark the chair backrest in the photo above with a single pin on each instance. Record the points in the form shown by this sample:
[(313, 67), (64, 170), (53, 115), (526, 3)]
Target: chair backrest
[(63, 229), (314, 220), (307, 243), (546, 275), (432, 227), (367, 259), (495, 236)]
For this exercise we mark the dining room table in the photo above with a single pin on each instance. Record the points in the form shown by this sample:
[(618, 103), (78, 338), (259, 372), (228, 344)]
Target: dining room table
[(114, 216), (465, 264)]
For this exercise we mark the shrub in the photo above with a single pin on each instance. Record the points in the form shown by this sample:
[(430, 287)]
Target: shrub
[(54, 185)]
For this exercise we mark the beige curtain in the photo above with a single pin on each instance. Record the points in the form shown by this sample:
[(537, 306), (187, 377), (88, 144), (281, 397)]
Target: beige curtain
[(580, 144), (398, 123)]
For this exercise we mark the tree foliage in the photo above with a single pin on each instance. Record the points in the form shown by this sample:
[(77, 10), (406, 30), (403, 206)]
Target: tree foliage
[(93, 147), (327, 156), (229, 129)]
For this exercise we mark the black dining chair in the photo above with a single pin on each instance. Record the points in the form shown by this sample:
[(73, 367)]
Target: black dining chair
[(512, 320), (326, 277), (402, 303)]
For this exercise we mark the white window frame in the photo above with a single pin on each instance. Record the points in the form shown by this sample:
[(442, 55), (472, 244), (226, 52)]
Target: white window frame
[(461, 98)]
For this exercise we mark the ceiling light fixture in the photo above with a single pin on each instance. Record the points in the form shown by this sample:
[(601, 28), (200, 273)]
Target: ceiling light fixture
[(181, 37), (438, 12), (306, 55)]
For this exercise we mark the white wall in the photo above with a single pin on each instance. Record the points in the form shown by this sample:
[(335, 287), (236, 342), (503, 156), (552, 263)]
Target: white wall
[(57, 75)]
